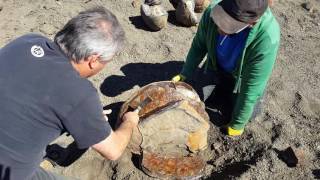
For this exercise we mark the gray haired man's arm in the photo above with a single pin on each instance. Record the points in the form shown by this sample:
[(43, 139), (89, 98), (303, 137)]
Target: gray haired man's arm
[(114, 145)]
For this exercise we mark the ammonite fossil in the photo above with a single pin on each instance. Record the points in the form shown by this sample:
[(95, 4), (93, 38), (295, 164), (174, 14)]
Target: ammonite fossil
[(172, 130)]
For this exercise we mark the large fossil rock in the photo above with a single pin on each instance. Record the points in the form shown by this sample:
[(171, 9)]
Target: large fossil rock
[(154, 16), (185, 14), (172, 129)]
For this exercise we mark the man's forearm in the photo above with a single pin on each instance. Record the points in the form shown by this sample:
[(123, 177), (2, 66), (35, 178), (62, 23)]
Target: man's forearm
[(123, 135), (113, 146)]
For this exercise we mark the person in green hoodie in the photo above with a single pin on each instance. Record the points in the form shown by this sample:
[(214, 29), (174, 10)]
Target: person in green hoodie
[(240, 39)]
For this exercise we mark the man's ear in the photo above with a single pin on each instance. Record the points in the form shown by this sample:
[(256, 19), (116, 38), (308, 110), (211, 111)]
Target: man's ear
[(93, 60)]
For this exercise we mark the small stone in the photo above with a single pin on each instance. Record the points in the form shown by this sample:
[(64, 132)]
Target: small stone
[(308, 6), (300, 154), (216, 147), (293, 156), (136, 3)]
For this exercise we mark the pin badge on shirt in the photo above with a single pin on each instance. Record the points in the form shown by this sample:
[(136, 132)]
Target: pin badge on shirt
[(37, 51)]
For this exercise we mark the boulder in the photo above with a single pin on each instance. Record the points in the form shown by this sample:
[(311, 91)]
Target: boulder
[(155, 16), (201, 5), (185, 14)]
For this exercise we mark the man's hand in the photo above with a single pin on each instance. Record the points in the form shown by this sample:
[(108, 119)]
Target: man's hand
[(178, 78), (113, 146), (131, 117)]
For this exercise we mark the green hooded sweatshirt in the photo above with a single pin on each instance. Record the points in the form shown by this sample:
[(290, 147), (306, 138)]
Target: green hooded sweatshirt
[(253, 68)]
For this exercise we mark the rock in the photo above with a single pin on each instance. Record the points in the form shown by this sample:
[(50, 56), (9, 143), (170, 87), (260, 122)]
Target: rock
[(136, 3), (293, 156), (201, 5), (155, 17), (152, 2), (185, 14), (173, 127), (216, 147), (308, 6)]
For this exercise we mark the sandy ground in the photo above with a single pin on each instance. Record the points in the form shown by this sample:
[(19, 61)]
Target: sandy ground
[(291, 114)]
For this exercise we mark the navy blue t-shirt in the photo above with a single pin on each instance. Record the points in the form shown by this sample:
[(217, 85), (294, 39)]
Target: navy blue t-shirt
[(42, 96), (229, 48)]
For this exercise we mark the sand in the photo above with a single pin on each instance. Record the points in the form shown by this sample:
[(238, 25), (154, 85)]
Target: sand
[(291, 115)]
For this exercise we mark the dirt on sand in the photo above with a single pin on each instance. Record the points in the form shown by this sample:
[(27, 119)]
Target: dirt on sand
[(291, 115)]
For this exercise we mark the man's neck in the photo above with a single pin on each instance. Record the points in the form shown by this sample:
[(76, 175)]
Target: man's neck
[(79, 68)]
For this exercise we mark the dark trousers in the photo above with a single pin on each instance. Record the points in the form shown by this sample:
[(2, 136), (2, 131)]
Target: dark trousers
[(215, 88)]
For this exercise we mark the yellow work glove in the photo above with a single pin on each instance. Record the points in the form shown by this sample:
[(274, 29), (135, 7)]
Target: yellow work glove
[(178, 78), (234, 132), (47, 165)]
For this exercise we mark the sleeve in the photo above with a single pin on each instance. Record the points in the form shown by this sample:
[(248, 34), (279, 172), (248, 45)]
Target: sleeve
[(254, 79), (198, 47), (86, 122)]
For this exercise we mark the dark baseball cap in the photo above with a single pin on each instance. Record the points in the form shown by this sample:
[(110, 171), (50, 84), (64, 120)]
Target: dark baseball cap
[(231, 16)]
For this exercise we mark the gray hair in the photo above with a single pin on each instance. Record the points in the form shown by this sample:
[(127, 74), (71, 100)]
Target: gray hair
[(94, 31)]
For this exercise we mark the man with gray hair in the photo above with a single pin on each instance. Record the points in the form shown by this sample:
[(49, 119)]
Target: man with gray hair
[(44, 93)]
